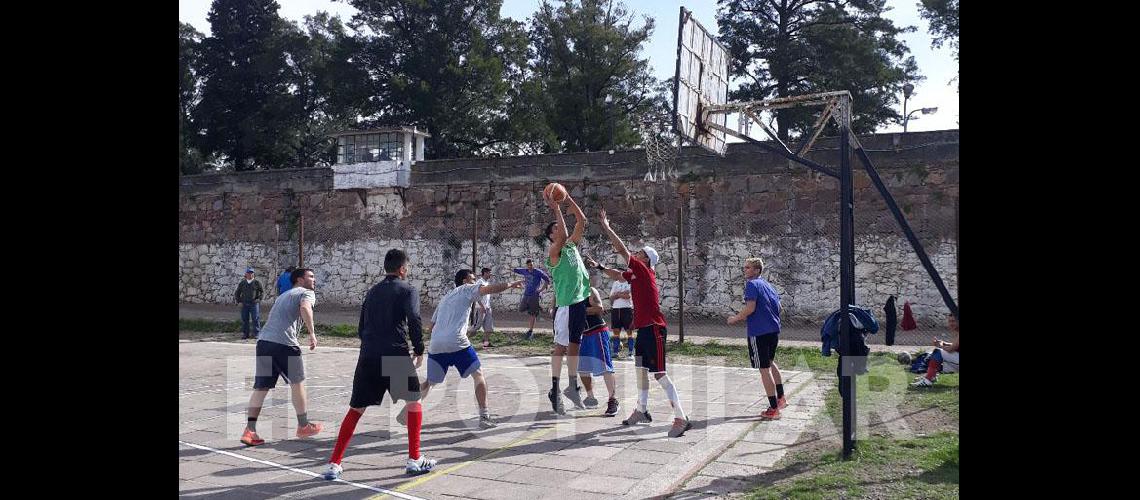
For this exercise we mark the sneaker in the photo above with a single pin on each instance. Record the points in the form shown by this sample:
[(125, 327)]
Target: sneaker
[(402, 417), (922, 382), (574, 397), (630, 356), (590, 402), (486, 422), (679, 427), (422, 466), (770, 414), (250, 438), (611, 407), (333, 472), (637, 417), (556, 402), (529, 335), (781, 403), (310, 430)]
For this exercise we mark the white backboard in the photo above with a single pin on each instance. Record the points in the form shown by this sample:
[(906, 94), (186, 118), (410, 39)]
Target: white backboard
[(701, 80)]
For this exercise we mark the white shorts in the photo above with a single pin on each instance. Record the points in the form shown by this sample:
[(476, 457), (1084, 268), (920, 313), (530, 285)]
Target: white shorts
[(562, 326)]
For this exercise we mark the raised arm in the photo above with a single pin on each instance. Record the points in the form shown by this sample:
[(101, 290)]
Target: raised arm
[(555, 250), (613, 274), (580, 223), (499, 287), (619, 247)]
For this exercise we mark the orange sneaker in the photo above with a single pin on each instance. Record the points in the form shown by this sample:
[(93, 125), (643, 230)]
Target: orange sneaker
[(781, 403), (250, 438), (309, 430), (771, 414)]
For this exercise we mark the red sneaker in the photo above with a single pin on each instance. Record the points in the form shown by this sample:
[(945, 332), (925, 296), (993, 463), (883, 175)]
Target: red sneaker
[(781, 403), (771, 414), (309, 430), (250, 438)]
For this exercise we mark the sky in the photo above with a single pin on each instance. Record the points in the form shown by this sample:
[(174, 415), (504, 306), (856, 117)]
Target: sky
[(937, 65)]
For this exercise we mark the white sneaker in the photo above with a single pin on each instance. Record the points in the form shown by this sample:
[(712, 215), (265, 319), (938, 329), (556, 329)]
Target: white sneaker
[(486, 422), (922, 382), (333, 472), (421, 466)]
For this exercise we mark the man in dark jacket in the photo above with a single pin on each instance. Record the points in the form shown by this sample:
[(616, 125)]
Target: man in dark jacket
[(248, 294), (389, 318), (892, 315)]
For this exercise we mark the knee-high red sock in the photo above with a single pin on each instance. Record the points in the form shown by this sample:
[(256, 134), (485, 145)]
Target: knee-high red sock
[(932, 368), (346, 428), (415, 419)]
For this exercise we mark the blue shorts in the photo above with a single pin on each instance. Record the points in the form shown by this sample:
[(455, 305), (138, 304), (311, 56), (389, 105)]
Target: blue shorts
[(465, 362), (594, 354)]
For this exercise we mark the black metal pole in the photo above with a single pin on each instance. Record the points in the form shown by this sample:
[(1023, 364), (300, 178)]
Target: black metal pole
[(681, 270), (910, 237), (846, 282)]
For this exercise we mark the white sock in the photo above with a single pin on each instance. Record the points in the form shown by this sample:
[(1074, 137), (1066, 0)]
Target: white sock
[(674, 399), (642, 400)]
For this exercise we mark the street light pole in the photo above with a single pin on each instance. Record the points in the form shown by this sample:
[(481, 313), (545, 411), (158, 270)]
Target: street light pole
[(610, 112), (908, 89), (925, 111)]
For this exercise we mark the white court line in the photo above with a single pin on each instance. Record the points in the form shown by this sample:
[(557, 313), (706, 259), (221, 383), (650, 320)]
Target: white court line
[(300, 471), (263, 408)]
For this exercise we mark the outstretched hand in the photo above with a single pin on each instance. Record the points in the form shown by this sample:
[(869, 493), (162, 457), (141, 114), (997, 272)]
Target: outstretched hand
[(516, 284)]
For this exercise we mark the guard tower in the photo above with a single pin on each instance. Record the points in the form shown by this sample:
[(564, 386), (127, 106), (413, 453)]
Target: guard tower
[(377, 157)]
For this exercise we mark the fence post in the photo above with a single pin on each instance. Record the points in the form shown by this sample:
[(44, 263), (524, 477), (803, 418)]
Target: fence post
[(681, 267), (301, 241)]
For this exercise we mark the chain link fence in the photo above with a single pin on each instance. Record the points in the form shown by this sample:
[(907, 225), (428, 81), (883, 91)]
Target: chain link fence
[(702, 226)]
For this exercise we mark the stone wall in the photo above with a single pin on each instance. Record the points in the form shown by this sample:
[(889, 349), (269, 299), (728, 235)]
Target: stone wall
[(749, 203)]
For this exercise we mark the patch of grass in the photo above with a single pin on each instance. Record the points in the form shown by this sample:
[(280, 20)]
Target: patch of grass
[(213, 326), (882, 465), (207, 325), (924, 467), (342, 330)]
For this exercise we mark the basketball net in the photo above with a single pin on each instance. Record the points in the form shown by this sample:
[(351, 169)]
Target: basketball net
[(660, 154)]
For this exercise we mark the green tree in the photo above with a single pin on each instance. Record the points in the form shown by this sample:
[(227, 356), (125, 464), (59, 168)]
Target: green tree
[(792, 47), (246, 106), (328, 85), (585, 51), (445, 65), (189, 87), (943, 17)]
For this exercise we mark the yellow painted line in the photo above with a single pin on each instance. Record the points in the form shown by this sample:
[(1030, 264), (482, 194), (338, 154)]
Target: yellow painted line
[(428, 477)]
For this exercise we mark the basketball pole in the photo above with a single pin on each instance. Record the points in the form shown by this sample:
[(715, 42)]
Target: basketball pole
[(846, 276)]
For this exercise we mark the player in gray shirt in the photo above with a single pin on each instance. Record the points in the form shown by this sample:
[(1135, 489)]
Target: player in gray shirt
[(449, 345), (279, 354)]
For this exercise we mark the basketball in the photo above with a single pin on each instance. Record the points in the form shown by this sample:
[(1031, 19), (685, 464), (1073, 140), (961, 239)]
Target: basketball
[(555, 192)]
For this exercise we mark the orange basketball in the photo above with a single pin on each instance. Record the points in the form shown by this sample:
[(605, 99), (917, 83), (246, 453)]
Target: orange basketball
[(555, 191)]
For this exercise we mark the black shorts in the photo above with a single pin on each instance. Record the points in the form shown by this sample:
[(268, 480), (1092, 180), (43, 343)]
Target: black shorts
[(650, 348), (530, 305), (762, 349), (376, 375), (277, 360), (621, 318)]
